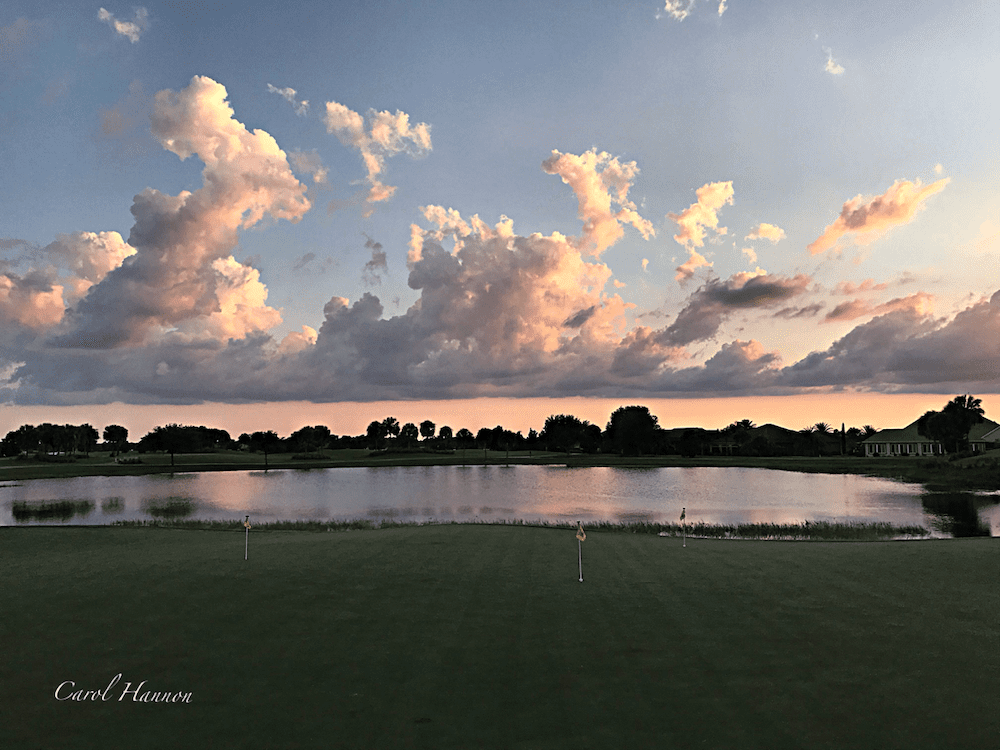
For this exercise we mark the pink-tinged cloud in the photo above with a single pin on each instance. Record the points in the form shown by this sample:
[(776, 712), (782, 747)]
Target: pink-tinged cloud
[(868, 285), (765, 231), (695, 220), (686, 270), (920, 303), (600, 182), (379, 137), (865, 220), (182, 275), (88, 256), (33, 300)]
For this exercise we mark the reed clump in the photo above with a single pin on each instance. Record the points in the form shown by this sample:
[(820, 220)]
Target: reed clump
[(857, 531)]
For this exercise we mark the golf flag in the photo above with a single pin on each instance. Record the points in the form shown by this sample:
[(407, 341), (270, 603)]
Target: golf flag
[(580, 533), (246, 546), (683, 513)]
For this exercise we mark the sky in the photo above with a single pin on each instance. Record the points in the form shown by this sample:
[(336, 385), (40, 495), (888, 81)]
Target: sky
[(487, 213)]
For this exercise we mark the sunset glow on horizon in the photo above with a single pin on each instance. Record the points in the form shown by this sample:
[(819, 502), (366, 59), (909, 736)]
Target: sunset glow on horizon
[(781, 212)]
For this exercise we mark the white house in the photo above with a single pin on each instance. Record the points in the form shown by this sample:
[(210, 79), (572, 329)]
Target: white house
[(908, 442)]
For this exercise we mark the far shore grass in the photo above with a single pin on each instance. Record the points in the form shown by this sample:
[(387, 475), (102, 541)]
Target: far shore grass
[(977, 472), (482, 636)]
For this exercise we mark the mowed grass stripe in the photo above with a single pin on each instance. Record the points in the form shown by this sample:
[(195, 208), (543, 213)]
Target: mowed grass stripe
[(482, 636)]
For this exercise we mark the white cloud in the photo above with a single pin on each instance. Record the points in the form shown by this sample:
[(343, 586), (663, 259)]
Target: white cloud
[(131, 30), (288, 94)]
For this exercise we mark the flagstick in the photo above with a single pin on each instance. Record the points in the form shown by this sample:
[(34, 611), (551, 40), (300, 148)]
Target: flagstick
[(246, 550), (579, 545)]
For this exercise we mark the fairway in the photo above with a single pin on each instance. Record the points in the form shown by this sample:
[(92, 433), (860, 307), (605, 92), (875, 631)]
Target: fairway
[(468, 636)]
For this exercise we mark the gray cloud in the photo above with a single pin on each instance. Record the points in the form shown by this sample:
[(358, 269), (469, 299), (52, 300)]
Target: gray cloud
[(374, 268)]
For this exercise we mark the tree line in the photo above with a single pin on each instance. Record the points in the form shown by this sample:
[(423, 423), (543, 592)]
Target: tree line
[(630, 431)]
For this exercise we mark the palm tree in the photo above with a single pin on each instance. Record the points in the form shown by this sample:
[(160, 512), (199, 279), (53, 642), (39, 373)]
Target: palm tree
[(822, 427)]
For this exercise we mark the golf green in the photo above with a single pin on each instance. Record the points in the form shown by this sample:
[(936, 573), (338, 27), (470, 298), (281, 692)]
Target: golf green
[(468, 636)]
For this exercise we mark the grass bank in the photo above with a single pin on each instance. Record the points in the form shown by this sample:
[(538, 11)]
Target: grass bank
[(460, 636), (979, 472)]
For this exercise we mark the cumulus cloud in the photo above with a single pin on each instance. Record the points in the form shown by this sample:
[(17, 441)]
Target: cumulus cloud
[(131, 30), (288, 94), (766, 232), (182, 267), (908, 348), (695, 220), (33, 300), (832, 67), (865, 220), (378, 136), (600, 182), (750, 254)]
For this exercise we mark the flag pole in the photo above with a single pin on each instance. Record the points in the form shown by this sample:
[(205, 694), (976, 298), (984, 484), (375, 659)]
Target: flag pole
[(580, 536), (684, 542), (246, 549)]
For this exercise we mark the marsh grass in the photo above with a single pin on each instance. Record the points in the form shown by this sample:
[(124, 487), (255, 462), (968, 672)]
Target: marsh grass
[(858, 531)]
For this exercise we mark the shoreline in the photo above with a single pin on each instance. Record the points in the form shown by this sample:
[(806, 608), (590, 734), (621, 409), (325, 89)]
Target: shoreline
[(974, 473)]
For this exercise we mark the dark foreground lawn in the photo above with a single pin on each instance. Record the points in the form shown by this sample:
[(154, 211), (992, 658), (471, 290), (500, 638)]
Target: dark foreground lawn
[(482, 636)]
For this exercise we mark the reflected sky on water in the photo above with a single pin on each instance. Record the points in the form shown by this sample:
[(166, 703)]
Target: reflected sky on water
[(466, 493)]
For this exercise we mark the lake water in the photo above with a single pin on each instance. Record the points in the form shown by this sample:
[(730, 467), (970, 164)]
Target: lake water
[(459, 493)]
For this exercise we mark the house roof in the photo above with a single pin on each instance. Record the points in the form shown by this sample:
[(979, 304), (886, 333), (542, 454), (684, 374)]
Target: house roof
[(909, 434)]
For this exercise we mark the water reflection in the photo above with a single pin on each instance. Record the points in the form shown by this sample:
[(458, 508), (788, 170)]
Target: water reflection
[(555, 493), (54, 510), (957, 513), (169, 507)]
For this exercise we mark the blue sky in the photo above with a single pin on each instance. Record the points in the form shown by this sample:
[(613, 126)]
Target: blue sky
[(770, 120)]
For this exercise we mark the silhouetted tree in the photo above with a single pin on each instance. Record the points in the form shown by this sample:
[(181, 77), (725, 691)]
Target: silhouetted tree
[(951, 425), (564, 432), (116, 436), (632, 430), (445, 435), (391, 426), (376, 431), (409, 433), (427, 428), (86, 437), (265, 441), (308, 439)]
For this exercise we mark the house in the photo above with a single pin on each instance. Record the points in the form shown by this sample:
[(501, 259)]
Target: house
[(909, 442)]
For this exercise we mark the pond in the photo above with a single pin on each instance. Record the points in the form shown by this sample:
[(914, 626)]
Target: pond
[(460, 493)]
